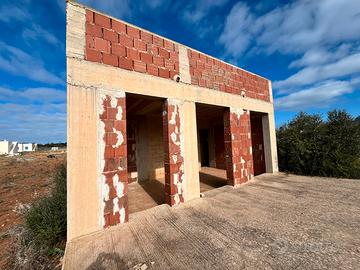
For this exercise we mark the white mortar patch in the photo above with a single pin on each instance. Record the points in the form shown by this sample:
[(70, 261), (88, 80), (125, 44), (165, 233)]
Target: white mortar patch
[(119, 115), (119, 186), (122, 215)]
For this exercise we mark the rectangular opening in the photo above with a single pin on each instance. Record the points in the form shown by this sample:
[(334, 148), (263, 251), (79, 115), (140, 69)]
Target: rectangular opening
[(145, 152), (257, 142), (211, 146)]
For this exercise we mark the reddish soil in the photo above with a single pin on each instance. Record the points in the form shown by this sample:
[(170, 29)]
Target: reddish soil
[(23, 180)]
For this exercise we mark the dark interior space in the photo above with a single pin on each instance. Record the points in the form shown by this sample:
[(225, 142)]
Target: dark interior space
[(211, 146), (204, 147), (257, 143), (145, 152)]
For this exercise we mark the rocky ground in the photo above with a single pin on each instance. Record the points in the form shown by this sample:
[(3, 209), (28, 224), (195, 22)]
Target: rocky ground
[(23, 179)]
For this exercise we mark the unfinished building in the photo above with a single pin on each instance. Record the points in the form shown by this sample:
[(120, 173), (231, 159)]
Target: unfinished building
[(151, 121)]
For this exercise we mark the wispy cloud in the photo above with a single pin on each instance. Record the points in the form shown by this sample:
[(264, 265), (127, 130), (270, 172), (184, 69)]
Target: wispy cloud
[(293, 28), (321, 36), (20, 63), (12, 12), (349, 65), (319, 96), (197, 10), (36, 32), (24, 122), (39, 95)]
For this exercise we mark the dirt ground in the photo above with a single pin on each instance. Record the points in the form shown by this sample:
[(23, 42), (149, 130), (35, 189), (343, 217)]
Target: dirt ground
[(273, 222), (23, 179)]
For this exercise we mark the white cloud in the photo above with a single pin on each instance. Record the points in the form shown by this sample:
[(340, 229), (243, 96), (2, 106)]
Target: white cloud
[(349, 65), (318, 56), (293, 28), (319, 96), (20, 63), (9, 13), (36, 32), (33, 123), (39, 94), (196, 11)]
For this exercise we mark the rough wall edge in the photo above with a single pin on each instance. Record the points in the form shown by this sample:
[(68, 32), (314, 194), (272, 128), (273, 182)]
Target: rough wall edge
[(147, 31), (184, 66), (75, 30), (113, 78), (101, 148)]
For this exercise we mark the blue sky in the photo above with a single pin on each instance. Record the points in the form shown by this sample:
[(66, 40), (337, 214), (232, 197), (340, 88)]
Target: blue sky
[(309, 49)]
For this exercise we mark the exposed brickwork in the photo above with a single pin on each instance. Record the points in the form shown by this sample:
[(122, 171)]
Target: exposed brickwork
[(114, 178), (219, 147), (174, 162), (120, 45), (238, 149), (214, 74)]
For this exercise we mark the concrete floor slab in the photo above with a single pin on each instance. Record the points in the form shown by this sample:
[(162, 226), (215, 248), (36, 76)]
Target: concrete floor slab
[(273, 222), (150, 193)]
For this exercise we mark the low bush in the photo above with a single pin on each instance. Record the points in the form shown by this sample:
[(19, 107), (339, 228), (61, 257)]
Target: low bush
[(46, 219), (309, 145), (40, 241)]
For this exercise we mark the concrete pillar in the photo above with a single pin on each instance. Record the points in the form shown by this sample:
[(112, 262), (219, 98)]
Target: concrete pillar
[(269, 136), (238, 149), (191, 164), (83, 204)]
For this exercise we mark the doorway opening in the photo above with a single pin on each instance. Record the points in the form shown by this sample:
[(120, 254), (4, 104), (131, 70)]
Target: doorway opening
[(145, 152), (211, 146), (257, 142)]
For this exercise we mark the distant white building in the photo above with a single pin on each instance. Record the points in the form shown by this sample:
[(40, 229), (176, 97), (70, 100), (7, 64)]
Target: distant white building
[(4, 147), (11, 148), (27, 147)]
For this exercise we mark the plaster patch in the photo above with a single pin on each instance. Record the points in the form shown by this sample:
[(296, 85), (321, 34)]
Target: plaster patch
[(119, 114), (122, 213), (115, 205), (119, 186), (113, 102)]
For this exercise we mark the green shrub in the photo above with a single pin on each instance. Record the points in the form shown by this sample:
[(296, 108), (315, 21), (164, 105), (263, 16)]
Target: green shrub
[(46, 219), (308, 145)]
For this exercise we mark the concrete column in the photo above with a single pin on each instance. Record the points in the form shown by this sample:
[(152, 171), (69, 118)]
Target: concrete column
[(238, 149), (83, 204), (269, 136), (191, 164)]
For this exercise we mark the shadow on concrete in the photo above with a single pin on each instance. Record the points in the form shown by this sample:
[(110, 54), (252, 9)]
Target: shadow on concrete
[(211, 180), (106, 261), (155, 189)]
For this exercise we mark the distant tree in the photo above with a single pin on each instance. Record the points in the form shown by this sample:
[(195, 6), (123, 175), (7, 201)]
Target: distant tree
[(308, 145)]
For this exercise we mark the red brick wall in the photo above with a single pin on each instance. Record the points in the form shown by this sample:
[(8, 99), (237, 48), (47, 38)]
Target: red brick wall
[(118, 44), (214, 74), (238, 149), (173, 163), (219, 147), (114, 181), (115, 43)]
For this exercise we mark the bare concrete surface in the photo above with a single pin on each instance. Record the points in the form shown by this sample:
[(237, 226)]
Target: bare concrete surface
[(150, 193), (274, 222)]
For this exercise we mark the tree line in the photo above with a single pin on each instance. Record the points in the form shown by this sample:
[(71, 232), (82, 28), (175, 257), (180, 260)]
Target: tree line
[(311, 145)]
